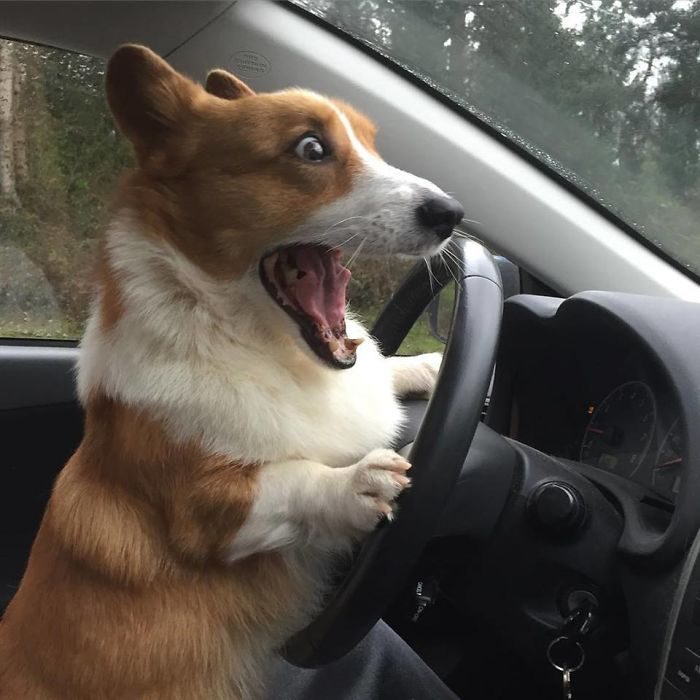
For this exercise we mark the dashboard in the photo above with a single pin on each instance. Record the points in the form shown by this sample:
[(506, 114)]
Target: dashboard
[(584, 483), (601, 400), (609, 384), (598, 397)]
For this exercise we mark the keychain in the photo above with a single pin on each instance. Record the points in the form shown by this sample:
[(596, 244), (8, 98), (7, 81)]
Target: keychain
[(565, 651), (566, 656)]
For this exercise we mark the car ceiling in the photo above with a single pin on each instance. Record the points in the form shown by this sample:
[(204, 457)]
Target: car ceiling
[(97, 28)]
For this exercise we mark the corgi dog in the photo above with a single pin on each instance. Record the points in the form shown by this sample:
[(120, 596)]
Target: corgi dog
[(237, 421)]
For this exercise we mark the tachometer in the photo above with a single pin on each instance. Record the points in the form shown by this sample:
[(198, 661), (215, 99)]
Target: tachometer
[(620, 430), (666, 473)]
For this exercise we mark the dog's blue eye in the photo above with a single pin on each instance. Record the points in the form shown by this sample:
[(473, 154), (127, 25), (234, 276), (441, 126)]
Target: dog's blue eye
[(311, 148)]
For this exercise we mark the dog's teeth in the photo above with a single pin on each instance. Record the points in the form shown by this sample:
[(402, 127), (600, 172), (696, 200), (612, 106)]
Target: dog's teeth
[(352, 343), (269, 264), (334, 345)]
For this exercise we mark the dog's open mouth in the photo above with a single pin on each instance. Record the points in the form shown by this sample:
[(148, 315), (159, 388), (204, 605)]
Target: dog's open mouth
[(309, 282)]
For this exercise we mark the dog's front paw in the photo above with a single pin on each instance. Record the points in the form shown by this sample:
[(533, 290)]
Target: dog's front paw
[(416, 376), (371, 487), (429, 368)]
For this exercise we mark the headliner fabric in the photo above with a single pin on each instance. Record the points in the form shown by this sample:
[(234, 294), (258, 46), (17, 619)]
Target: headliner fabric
[(97, 28)]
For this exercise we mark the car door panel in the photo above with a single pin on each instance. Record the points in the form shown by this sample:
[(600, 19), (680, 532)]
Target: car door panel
[(41, 423)]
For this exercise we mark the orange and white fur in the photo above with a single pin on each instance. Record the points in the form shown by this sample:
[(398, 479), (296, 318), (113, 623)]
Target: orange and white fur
[(223, 461)]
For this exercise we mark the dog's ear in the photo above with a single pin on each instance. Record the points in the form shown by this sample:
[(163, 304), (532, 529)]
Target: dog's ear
[(150, 102), (223, 84)]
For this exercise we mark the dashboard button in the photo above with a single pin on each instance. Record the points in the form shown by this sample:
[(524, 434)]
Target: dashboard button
[(690, 660), (684, 673), (681, 676), (557, 506)]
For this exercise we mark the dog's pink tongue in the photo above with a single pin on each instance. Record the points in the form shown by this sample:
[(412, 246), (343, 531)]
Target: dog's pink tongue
[(321, 290)]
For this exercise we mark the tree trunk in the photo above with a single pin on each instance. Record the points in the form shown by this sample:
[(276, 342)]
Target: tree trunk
[(19, 126), (67, 267), (8, 190)]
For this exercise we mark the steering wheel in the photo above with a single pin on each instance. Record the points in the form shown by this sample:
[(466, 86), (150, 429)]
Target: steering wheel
[(438, 453)]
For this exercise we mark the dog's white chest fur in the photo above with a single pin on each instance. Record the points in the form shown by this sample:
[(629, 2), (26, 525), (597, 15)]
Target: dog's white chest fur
[(217, 375), (334, 418)]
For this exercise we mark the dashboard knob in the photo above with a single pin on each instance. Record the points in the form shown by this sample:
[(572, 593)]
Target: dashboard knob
[(557, 507)]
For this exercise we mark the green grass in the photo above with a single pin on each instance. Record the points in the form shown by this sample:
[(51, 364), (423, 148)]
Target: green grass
[(419, 340), (43, 330)]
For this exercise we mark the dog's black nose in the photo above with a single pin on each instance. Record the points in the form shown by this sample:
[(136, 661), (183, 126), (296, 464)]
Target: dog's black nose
[(441, 214)]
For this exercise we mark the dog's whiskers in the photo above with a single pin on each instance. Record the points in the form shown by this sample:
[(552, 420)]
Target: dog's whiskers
[(345, 242), (453, 256), (459, 233), (431, 276), (450, 261), (342, 221), (446, 264), (354, 256)]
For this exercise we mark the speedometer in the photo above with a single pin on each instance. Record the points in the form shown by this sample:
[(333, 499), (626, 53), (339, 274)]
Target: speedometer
[(666, 473), (620, 430)]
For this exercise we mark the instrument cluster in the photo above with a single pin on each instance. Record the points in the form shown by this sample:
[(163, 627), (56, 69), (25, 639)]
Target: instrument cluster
[(630, 435), (603, 402), (607, 384)]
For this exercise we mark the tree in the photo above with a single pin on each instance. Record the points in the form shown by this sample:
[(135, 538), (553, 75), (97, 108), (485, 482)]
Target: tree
[(60, 158), (8, 188)]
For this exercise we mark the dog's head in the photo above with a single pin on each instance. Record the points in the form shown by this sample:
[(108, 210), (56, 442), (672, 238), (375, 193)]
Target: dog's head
[(273, 185)]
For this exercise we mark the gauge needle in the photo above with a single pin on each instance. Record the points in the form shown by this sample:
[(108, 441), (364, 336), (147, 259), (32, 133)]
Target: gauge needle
[(598, 431), (670, 463)]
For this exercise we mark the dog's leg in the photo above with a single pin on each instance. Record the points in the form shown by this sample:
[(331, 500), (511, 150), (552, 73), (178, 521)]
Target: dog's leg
[(415, 376), (303, 499)]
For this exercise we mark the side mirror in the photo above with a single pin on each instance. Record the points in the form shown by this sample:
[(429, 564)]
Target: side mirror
[(439, 311), (434, 312)]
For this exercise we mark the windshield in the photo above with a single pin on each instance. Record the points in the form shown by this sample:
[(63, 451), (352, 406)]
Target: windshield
[(605, 92)]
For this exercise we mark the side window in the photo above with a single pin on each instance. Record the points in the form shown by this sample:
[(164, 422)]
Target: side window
[(374, 280), (60, 156)]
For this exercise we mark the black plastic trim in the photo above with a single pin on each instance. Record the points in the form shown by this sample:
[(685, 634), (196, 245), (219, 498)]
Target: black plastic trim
[(37, 375), (39, 342)]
